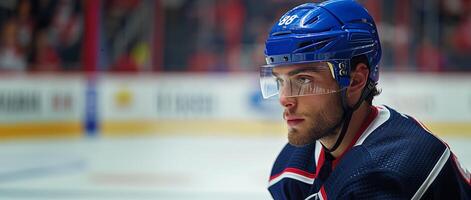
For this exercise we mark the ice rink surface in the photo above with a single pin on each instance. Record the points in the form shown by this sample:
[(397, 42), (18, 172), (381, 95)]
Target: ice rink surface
[(150, 167)]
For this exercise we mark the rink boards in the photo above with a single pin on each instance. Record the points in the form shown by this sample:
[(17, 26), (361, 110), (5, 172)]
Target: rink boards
[(69, 105)]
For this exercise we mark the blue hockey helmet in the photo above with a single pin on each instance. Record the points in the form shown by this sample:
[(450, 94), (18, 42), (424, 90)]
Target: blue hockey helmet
[(334, 31)]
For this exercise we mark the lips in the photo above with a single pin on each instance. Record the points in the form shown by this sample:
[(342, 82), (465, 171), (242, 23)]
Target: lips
[(293, 120)]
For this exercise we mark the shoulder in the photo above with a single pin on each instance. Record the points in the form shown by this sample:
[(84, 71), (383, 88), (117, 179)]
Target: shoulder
[(403, 139), (404, 145), (401, 151), (367, 177), (398, 142), (293, 171), (293, 159)]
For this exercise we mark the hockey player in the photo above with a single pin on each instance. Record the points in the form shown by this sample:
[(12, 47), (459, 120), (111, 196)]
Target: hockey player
[(322, 63)]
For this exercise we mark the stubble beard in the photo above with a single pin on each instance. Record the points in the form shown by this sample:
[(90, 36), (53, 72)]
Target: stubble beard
[(325, 123)]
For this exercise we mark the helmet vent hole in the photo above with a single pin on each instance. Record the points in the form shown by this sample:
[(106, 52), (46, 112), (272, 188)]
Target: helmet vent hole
[(311, 20), (361, 37), (309, 46), (305, 44), (281, 33)]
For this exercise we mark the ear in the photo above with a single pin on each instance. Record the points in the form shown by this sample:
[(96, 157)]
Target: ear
[(358, 79)]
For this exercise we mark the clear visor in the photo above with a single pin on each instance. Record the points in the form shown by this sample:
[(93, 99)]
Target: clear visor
[(298, 80)]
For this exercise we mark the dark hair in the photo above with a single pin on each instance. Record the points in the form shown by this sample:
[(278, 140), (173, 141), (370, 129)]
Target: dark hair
[(363, 59)]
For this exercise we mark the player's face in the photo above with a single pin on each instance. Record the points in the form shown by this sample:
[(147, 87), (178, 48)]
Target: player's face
[(311, 117)]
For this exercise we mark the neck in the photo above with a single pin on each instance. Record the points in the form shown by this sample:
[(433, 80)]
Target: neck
[(358, 117)]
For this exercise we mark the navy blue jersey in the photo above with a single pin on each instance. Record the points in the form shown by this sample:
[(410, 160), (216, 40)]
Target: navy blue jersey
[(393, 156)]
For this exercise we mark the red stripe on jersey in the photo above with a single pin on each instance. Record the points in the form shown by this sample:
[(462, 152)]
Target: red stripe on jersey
[(320, 162), (464, 173), (428, 130), (323, 193), (422, 125), (295, 171)]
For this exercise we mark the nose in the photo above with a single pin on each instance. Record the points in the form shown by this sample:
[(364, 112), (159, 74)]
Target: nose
[(287, 102)]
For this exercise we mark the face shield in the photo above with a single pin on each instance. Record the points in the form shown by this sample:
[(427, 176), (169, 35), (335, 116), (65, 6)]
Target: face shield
[(315, 78)]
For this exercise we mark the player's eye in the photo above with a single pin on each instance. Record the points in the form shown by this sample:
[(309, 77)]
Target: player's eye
[(304, 80)]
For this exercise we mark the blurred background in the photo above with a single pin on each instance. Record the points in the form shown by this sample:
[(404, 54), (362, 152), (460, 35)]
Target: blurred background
[(159, 99)]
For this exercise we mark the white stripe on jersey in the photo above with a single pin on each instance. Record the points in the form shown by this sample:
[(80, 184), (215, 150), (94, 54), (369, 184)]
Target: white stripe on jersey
[(383, 116), (291, 175), (316, 196), (433, 174), (317, 151)]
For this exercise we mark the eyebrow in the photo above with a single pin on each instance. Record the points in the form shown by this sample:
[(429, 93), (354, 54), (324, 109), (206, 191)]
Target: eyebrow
[(301, 70)]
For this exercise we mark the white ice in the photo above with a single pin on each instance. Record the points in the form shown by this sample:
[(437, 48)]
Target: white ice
[(150, 167)]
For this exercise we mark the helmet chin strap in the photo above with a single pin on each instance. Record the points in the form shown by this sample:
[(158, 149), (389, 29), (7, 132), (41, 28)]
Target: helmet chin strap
[(348, 112)]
